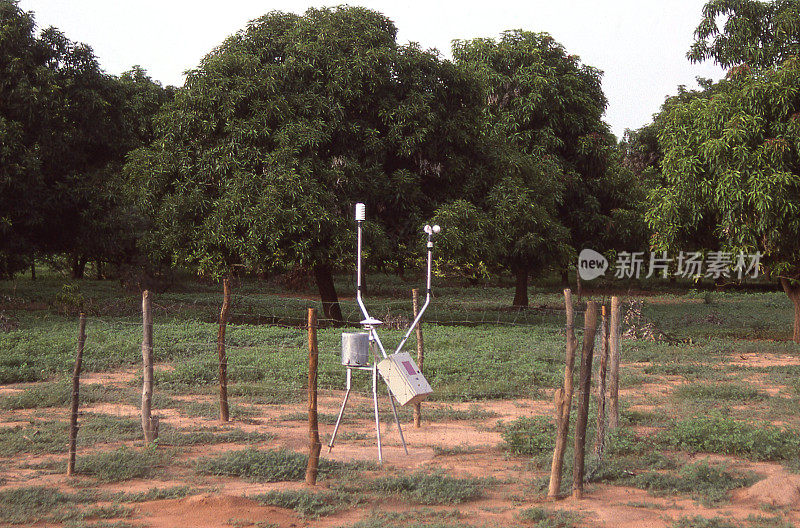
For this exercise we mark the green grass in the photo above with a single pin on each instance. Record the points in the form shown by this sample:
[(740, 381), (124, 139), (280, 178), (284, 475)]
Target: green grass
[(430, 488), (706, 483), (715, 433), (271, 465), (544, 518), (313, 504), (41, 435), (122, 464), (724, 392), (169, 436), (417, 518), (703, 522), (36, 504), (154, 494), (530, 436), (56, 394)]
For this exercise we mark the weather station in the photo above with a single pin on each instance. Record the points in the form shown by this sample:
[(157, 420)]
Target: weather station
[(404, 380)]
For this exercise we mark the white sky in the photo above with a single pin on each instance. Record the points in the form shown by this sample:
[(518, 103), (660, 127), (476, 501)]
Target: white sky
[(641, 45)]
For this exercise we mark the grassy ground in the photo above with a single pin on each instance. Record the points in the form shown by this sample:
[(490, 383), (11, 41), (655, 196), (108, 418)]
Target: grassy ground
[(709, 400)]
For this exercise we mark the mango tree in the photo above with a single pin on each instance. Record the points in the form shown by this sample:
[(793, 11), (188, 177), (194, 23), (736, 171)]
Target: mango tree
[(287, 124), (733, 159)]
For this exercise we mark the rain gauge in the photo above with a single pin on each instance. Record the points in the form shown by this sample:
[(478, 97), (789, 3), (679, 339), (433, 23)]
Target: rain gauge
[(398, 370)]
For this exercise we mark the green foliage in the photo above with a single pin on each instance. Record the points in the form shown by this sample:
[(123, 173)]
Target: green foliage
[(704, 482), (307, 503), (121, 464), (719, 434), (30, 504), (551, 181), (269, 466), (56, 394), (430, 488), (730, 172), (703, 522), (65, 130), (544, 518), (530, 436), (756, 33), (726, 392), (288, 123)]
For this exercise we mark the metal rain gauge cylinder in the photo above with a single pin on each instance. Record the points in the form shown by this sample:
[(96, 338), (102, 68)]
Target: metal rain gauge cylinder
[(355, 349)]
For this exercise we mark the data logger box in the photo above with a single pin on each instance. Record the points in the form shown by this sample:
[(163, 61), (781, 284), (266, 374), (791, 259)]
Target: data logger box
[(404, 378)]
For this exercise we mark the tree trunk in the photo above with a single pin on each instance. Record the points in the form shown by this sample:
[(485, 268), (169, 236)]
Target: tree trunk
[(33, 269), (327, 292), (521, 292), (223, 358), (793, 291), (565, 278), (99, 265), (78, 266)]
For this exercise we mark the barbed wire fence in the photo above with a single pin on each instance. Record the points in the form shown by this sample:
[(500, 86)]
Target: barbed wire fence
[(265, 361)]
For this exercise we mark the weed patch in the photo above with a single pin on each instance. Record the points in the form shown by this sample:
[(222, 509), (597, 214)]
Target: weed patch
[(270, 466), (430, 488), (720, 434), (35, 504), (530, 436), (728, 392), (308, 503), (121, 464), (705, 483), (542, 518)]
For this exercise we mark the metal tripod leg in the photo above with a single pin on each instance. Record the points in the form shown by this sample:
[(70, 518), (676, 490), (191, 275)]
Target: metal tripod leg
[(375, 403), (341, 412), (396, 419)]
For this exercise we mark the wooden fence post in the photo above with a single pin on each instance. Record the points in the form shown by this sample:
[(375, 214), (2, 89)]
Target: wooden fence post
[(600, 438), (589, 332), (563, 400), (76, 380), (314, 444), (613, 346), (149, 423), (223, 360), (420, 353)]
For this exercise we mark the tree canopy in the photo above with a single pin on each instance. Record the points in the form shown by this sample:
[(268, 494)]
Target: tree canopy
[(65, 127), (282, 128), (546, 189), (733, 159), (755, 33)]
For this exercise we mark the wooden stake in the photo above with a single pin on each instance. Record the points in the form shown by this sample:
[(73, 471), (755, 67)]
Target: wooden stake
[(149, 424), (589, 331), (76, 380), (420, 354), (223, 359), (600, 438), (563, 400), (314, 444), (613, 350)]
